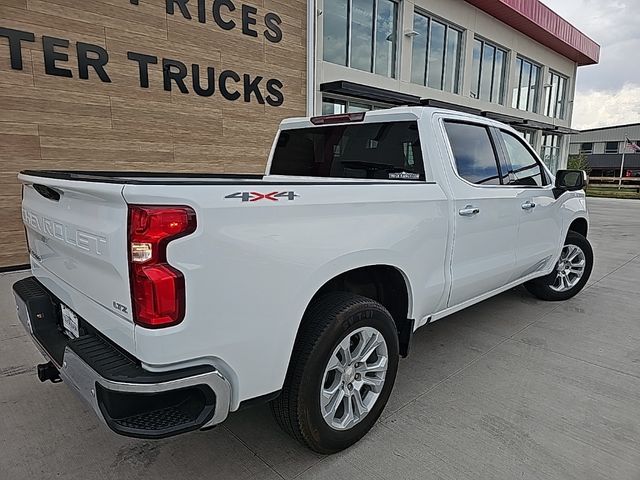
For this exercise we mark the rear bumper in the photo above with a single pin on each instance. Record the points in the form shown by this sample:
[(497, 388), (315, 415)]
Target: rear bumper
[(130, 400)]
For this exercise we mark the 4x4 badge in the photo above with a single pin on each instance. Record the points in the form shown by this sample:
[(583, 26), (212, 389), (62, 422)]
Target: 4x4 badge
[(257, 196)]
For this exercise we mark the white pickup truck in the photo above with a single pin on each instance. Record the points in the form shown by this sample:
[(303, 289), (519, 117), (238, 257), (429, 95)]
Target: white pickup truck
[(167, 300)]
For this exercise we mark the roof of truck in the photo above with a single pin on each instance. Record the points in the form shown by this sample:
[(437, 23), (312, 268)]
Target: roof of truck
[(394, 114)]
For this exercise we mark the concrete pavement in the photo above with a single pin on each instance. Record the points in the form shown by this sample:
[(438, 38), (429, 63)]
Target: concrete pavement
[(511, 388)]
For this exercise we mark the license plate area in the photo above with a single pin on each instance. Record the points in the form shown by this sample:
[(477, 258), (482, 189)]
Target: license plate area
[(70, 322)]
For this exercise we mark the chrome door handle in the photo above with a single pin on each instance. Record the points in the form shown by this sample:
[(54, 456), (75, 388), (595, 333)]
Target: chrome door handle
[(469, 211), (528, 206)]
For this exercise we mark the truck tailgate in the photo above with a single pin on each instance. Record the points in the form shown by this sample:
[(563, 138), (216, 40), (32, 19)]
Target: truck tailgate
[(78, 240)]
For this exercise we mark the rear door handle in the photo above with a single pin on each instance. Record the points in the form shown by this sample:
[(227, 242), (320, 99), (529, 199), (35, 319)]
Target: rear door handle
[(469, 211), (528, 206)]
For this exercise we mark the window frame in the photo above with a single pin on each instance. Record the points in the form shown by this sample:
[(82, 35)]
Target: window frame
[(397, 26), (505, 74), (532, 104), (554, 150), (502, 158), (396, 51), (494, 145), (546, 179), (552, 111), (457, 81), (324, 180), (609, 151), (586, 152)]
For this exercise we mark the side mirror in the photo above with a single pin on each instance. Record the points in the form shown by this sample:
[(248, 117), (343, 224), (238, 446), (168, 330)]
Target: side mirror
[(571, 180)]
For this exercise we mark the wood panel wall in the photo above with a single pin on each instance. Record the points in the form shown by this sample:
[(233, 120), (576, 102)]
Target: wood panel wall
[(54, 122)]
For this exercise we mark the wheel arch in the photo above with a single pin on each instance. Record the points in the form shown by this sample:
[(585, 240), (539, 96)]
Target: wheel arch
[(386, 284), (580, 225)]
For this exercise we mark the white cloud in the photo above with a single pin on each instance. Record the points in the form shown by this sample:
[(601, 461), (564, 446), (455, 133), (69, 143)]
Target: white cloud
[(613, 24), (607, 93), (604, 107)]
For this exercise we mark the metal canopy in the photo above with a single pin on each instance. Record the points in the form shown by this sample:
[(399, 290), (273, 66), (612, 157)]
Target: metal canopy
[(549, 127), (375, 94), (366, 92)]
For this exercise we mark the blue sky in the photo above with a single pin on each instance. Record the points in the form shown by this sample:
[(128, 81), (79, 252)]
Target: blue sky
[(608, 93)]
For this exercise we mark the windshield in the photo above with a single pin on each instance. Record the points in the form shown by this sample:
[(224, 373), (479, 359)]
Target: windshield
[(384, 151)]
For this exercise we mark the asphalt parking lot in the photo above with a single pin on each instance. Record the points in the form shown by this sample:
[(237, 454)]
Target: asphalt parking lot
[(511, 388)]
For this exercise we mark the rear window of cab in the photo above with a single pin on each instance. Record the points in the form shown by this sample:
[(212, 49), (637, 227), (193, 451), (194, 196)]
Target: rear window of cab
[(381, 151)]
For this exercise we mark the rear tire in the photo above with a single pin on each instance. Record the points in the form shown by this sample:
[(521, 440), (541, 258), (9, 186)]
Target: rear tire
[(564, 283), (337, 330)]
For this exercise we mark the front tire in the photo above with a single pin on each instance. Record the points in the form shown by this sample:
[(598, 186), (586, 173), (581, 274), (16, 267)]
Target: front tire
[(342, 371), (570, 274)]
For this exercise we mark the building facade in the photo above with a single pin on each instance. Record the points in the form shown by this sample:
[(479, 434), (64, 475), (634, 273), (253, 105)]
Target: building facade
[(201, 85), (182, 86), (511, 60), (605, 147)]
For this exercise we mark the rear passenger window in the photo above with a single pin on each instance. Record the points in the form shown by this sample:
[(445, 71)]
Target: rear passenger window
[(525, 168), (474, 153)]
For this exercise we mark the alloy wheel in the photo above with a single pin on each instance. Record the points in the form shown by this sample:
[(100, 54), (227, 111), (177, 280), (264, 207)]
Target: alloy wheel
[(569, 269), (353, 378)]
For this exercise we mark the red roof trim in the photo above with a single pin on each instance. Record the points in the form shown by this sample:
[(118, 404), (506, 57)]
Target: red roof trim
[(542, 24)]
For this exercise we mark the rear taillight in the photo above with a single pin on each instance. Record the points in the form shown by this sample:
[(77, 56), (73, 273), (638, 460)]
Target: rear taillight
[(157, 288)]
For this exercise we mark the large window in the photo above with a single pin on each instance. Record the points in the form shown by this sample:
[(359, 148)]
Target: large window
[(385, 151), (555, 101), (525, 169), (473, 153), (489, 68), (361, 34), (436, 54), (551, 150), (527, 86)]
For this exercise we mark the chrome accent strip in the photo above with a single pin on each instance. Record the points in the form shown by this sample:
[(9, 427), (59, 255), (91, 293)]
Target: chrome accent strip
[(83, 378)]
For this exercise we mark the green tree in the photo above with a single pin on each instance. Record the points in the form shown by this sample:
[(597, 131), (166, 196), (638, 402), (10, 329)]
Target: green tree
[(579, 162)]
